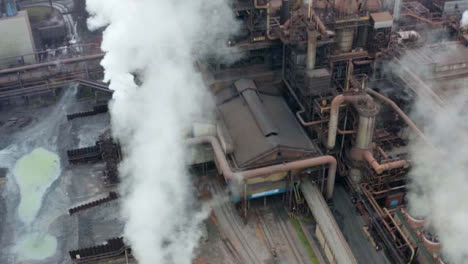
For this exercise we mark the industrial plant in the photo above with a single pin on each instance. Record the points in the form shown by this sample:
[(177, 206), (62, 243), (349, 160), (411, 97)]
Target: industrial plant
[(233, 131)]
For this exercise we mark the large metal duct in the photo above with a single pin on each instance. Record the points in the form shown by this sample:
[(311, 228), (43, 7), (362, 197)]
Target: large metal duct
[(367, 110), (340, 251), (240, 176), (334, 112), (400, 112)]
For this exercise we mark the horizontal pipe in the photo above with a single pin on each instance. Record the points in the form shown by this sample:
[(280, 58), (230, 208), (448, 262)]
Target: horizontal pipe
[(425, 20), (311, 123), (345, 132), (52, 63), (265, 171), (379, 168), (334, 111)]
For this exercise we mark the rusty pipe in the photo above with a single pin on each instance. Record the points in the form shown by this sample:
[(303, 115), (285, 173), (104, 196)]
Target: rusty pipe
[(334, 111), (345, 132), (267, 7), (311, 123), (265, 171), (379, 168), (400, 112), (52, 63), (402, 234), (321, 27), (425, 20), (382, 152)]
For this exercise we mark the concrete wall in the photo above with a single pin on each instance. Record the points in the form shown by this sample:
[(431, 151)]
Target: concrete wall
[(16, 39)]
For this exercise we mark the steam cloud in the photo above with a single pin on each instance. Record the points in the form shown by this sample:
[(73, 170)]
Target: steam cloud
[(464, 20), (159, 40), (439, 177)]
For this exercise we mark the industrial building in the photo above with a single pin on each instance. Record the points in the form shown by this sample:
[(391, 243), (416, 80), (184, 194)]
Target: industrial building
[(312, 124)]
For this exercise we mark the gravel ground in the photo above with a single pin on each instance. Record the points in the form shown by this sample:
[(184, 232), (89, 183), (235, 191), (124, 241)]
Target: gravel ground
[(26, 128)]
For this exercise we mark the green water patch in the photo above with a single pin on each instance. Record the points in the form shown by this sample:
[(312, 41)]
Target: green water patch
[(34, 173), (36, 246)]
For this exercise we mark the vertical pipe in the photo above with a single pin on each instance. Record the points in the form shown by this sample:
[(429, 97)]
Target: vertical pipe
[(311, 48), (284, 12), (396, 10), (365, 132)]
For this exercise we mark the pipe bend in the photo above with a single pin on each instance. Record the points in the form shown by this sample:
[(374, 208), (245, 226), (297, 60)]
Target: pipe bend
[(223, 165), (400, 112), (379, 168), (334, 112), (310, 123)]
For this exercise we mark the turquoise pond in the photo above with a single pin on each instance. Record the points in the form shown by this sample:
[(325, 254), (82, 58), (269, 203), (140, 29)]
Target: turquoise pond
[(34, 173)]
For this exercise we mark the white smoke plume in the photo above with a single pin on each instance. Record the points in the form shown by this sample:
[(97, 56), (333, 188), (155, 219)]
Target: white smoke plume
[(464, 20), (439, 176), (159, 40)]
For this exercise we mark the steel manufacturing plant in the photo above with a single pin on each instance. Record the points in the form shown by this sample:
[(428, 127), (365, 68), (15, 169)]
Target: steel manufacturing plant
[(234, 131)]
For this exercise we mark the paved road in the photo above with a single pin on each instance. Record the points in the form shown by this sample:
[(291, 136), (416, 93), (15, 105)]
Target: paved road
[(351, 224)]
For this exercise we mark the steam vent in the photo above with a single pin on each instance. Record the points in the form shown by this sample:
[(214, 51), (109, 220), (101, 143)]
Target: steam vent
[(233, 131)]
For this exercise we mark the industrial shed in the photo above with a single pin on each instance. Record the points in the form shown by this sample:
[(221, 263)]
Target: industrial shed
[(262, 128)]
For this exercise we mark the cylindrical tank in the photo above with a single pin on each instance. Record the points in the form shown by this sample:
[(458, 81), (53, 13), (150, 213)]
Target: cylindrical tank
[(365, 132), (344, 38)]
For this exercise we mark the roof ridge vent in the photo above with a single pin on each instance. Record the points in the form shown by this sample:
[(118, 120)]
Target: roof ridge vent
[(249, 92)]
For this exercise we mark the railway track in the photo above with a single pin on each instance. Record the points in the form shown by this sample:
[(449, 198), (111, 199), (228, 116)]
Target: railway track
[(232, 218), (281, 220)]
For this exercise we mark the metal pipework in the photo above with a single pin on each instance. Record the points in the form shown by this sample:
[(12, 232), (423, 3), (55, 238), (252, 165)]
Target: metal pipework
[(379, 168), (402, 235), (267, 7), (53, 63), (311, 123), (365, 132), (334, 111), (400, 112), (226, 170), (311, 48)]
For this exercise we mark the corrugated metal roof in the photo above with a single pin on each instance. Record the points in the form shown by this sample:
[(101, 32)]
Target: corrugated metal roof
[(249, 139)]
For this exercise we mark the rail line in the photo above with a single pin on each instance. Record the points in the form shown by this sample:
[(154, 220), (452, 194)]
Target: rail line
[(249, 256), (281, 221)]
